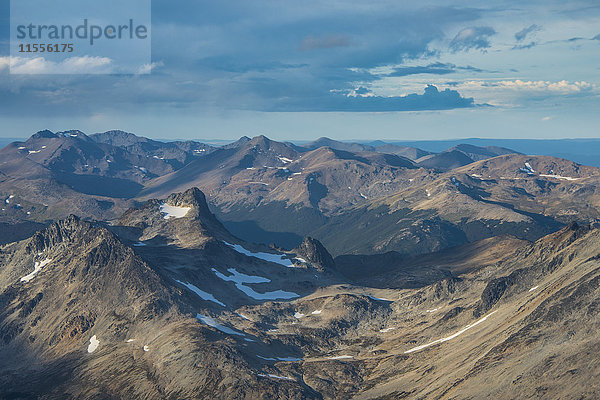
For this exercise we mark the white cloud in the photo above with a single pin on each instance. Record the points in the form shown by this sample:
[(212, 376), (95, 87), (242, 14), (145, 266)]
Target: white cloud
[(4, 63), (560, 87), (148, 68), (72, 65)]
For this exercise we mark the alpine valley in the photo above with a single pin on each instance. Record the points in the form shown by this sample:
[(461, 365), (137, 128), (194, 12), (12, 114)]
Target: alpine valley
[(133, 268)]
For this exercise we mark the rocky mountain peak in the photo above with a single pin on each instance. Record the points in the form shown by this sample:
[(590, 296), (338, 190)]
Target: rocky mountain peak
[(45, 134), (118, 138), (193, 198), (315, 253), (69, 229)]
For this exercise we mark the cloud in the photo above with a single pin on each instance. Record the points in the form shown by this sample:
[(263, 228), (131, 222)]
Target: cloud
[(524, 46), (148, 68), (325, 42), (523, 33), (72, 65), (360, 91), (477, 37), (362, 100), (563, 86), (511, 92), (437, 68)]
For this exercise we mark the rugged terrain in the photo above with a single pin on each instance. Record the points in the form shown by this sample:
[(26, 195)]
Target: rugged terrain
[(354, 198), (165, 303)]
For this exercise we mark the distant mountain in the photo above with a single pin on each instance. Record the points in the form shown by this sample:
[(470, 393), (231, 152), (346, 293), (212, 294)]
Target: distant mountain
[(51, 175), (582, 151), (460, 155), (337, 145), (269, 191), (272, 192), (477, 153), (445, 161), (177, 153), (523, 196), (411, 153)]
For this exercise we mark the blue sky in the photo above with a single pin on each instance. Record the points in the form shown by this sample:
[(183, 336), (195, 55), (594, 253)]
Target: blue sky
[(343, 69)]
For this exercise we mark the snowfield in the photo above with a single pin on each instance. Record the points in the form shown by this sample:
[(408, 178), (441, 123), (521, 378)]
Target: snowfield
[(173, 212), (274, 258), (276, 377), (204, 295), (94, 343), (211, 322), (241, 279), (567, 178), (36, 269), (451, 336)]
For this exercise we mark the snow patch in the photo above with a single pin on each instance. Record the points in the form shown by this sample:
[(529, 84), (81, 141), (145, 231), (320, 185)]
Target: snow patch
[(377, 298), (533, 288), (276, 377), (129, 340), (243, 316), (432, 310), (211, 322), (241, 279), (386, 329), (567, 178), (451, 336), (299, 315), (94, 343), (204, 295), (37, 267), (270, 257), (339, 357), (528, 166), (146, 348), (285, 160), (173, 212), (316, 312)]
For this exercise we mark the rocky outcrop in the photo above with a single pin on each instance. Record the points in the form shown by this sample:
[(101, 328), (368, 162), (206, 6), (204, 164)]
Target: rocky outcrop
[(315, 253)]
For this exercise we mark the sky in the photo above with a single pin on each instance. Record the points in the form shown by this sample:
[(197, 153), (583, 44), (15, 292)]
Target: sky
[(349, 70)]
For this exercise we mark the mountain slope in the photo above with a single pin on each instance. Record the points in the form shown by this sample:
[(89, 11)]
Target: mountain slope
[(484, 199), (263, 188), (95, 319), (162, 305)]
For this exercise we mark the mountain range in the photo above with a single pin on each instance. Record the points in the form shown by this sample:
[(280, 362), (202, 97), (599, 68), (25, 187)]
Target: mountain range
[(135, 268)]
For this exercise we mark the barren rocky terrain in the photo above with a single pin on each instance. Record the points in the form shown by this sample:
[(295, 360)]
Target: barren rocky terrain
[(387, 279)]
